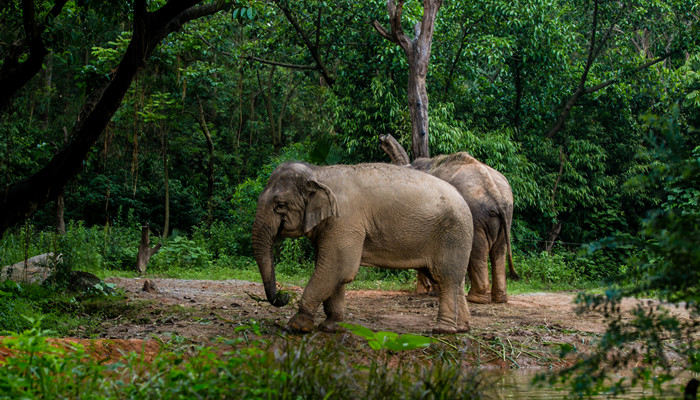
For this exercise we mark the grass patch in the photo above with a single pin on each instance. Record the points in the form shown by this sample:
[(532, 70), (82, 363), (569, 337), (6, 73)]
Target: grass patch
[(64, 312)]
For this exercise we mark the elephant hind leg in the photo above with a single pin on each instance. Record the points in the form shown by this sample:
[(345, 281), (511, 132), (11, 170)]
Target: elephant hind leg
[(453, 311), (479, 291), (498, 271)]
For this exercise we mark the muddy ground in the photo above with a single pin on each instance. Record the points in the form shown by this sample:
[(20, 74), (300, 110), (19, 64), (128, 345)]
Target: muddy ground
[(527, 332)]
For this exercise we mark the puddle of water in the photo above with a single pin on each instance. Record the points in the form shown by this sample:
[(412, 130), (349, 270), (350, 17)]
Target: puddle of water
[(515, 384)]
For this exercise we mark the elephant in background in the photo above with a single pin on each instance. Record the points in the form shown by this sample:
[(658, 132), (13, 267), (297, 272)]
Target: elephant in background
[(377, 215), (490, 200)]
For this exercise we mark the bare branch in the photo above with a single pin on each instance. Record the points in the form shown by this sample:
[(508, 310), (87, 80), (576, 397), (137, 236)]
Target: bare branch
[(281, 64), (383, 32), (639, 68), (321, 66)]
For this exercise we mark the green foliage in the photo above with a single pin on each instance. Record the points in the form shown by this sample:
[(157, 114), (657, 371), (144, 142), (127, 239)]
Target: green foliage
[(548, 270), (179, 252), (390, 341), (295, 257), (33, 370), (296, 369), (380, 110), (15, 311), (665, 268), (243, 206), (64, 310)]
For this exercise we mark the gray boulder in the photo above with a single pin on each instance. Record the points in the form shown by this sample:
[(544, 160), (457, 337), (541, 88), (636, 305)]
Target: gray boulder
[(34, 270)]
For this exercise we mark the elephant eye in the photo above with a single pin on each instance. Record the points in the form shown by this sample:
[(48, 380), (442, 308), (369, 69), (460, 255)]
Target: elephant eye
[(281, 207)]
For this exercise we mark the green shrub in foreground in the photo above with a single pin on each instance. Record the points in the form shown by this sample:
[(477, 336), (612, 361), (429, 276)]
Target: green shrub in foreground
[(307, 369)]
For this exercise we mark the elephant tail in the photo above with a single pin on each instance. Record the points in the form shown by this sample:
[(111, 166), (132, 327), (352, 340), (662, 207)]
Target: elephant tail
[(509, 254)]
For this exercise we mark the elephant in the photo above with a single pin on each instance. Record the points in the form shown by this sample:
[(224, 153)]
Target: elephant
[(490, 200), (376, 215)]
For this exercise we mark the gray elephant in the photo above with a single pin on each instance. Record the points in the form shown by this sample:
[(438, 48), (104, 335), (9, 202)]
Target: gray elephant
[(377, 215), (490, 201)]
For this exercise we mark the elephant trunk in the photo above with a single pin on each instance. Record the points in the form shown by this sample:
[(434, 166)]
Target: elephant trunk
[(264, 232)]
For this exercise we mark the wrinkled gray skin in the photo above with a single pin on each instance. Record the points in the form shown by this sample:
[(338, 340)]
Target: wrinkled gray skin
[(377, 215), (490, 200)]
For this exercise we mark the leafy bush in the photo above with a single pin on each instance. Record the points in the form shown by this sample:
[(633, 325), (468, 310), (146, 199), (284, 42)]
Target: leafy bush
[(295, 257), (666, 268), (181, 253), (14, 310), (547, 269), (220, 239)]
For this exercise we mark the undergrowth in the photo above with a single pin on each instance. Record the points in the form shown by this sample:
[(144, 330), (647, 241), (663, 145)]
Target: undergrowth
[(250, 369), (210, 254)]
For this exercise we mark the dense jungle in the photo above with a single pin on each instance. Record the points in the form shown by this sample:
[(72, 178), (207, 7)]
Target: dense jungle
[(136, 138)]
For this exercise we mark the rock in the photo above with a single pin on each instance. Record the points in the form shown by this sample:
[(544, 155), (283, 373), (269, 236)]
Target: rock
[(149, 287), (35, 270), (81, 281)]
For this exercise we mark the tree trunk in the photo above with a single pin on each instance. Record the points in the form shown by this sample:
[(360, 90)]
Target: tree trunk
[(166, 186), (552, 236), (60, 221), (418, 54), (210, 172), (418, 106), (145, 251), (394, 150), (556, 225), (60, 201)]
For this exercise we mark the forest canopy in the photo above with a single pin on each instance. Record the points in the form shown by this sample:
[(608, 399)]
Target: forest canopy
[(168, 112)]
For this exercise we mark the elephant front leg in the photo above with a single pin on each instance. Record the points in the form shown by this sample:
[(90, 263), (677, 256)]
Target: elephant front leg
[(327, 286), (334, 307)]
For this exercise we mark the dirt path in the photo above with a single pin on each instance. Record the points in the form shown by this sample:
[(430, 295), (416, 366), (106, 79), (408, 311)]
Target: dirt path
[(397, 311), (527, 330)]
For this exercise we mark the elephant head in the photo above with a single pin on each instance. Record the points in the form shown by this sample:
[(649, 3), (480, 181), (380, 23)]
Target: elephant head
[(291, 205)]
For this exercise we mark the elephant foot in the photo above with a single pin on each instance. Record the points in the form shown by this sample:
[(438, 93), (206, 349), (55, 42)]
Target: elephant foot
[(499, 298), (449, 330), (442, 329), (330, 326), (463, 327), (301, 323), (473, 297)]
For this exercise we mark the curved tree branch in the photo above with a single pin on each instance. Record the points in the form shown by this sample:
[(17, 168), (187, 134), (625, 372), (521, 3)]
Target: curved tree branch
[(280, 64), (313, 49), (14, 74), (21, 199)]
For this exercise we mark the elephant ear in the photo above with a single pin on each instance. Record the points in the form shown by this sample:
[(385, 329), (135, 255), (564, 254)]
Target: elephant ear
[(321, 204)]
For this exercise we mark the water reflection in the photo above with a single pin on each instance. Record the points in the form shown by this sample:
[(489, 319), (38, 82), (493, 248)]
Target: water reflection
[(517, 384)]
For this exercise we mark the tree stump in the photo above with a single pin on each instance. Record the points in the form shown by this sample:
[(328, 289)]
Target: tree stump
[(145, 251)]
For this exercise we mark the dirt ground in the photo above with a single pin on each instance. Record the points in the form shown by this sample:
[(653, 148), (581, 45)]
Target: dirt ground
[(525, 332), (396, 311)]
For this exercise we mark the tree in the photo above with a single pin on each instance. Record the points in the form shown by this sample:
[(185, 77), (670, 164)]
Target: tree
[(665, 267), (22, 198), (609, 20), (418, 55)]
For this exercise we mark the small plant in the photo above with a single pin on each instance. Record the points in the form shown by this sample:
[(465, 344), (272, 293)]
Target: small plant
[(391, 341), (181, 252)]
